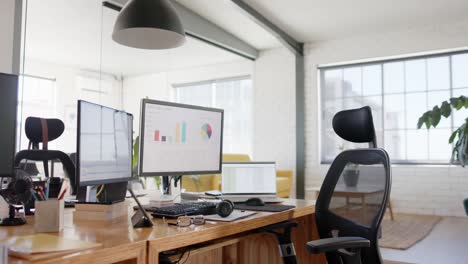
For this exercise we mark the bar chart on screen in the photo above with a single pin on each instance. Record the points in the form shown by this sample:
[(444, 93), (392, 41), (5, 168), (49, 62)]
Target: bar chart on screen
[(183, 135), (180, 134)]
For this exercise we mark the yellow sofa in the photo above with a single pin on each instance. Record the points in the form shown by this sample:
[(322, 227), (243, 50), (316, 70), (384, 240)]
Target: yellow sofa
[(201, 183)]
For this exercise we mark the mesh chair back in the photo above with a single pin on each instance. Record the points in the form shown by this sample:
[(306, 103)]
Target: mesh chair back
[(353, 199)]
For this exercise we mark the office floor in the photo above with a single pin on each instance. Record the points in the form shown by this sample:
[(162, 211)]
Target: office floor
[(447, 243)]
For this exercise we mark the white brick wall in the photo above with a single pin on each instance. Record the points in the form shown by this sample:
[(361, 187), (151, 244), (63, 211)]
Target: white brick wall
[(416, 189), (274, 109)]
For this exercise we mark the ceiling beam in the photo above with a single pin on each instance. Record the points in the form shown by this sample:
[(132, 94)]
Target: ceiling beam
[(202, 29), (297, 48), (289, 42)]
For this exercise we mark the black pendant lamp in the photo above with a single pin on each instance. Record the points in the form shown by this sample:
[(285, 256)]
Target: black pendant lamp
[(149, 24)]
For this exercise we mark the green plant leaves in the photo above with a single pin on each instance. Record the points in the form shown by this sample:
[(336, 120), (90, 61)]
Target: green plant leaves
[(445, 109), (459, 138), (459, 102), (452, 137), (435, 116)]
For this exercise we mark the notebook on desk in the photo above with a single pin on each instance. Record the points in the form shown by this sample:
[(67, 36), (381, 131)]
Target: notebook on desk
[(43, 246), (243, 180)]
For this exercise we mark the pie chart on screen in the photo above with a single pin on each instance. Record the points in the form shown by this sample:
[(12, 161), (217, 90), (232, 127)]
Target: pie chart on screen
[(206, 131)]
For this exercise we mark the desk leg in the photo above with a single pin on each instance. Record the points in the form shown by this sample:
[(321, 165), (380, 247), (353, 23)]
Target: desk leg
[(153, 256), (391, 210), (364, 208)]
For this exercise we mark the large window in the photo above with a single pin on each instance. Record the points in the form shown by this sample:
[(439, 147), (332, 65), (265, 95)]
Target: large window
[(52, 98), (235, 96), (36, 98), (399, 92)]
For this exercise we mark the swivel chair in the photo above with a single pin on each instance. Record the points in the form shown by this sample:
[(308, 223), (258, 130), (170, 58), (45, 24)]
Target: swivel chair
[(349, 229), (40, 130)]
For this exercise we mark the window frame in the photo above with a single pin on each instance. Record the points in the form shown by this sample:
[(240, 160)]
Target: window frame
[(380, 62)]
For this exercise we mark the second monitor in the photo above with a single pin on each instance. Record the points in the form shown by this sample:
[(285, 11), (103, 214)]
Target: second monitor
[(179, 139)]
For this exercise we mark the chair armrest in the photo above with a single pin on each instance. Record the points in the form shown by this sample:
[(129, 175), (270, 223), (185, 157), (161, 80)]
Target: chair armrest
[(335, 243)]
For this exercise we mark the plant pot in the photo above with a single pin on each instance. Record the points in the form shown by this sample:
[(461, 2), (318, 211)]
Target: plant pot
[(351, 177)]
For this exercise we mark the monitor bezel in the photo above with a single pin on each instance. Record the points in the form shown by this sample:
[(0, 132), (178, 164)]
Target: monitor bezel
[(142, 131), (77, 169), (15, 80)]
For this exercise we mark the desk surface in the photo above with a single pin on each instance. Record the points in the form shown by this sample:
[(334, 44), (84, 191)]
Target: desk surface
[(118, 236)]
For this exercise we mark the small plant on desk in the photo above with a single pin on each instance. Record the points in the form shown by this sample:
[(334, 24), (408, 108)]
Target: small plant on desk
[(351, 174)]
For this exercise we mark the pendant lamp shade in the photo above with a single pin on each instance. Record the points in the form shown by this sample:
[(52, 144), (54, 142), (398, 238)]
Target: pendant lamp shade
[(149, 24)]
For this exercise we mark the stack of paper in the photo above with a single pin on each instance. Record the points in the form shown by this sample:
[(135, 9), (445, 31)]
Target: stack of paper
[(41, 246), (100, 212)]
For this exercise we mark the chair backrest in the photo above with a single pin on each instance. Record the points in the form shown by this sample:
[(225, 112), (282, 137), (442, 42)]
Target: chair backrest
[(42, 130), (46, 155), (356, 125), (353, 199)]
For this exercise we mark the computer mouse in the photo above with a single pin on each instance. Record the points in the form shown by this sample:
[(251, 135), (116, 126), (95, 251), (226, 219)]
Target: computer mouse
[(254, 202)]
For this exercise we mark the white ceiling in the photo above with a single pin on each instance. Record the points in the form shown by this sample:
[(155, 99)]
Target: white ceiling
[(314, 20), (68, 32)]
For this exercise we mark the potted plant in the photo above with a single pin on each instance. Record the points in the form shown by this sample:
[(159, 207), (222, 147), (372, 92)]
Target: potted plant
[(351, 174), (459, 136), (351, 170)]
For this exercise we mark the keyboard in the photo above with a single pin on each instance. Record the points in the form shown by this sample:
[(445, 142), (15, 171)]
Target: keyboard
[(179, 209)]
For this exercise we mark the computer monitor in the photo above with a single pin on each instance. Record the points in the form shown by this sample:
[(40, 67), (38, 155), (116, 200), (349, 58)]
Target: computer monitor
[(8, 112), (249, 178), (179, 139), (104, 145)]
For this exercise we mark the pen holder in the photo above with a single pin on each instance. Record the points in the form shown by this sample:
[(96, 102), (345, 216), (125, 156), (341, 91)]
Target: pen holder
[(49, 216)]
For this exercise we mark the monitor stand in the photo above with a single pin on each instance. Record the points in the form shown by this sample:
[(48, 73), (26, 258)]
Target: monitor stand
[(169, 183), (112, 193)]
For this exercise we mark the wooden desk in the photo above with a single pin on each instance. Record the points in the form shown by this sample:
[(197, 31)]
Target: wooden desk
[(120, 242), (214, 242), (234, 242)]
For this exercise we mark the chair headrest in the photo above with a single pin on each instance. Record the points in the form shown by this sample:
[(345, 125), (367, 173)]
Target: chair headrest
[(33, 129), (355, 125)]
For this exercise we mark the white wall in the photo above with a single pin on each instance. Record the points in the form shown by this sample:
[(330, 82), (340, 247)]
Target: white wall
[(159, 86), (7, 19), (274, 109), (416, 189), (68, 91)]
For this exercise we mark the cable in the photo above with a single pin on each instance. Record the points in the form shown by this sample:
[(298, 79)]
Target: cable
[(188, 256), (182, 255), (100, 191)]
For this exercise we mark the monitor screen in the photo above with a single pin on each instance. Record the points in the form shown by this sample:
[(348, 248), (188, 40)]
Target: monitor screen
[(248, 178), (8, 104), (178, 139), (104, 144)]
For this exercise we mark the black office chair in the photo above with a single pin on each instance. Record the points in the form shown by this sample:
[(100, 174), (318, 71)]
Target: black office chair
[(356, 125), (349, 228), (41, 130)]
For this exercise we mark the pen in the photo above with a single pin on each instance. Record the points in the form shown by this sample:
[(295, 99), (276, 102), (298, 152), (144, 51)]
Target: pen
[(47, 190), (40, 192), (35, 196), (62, 194)]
